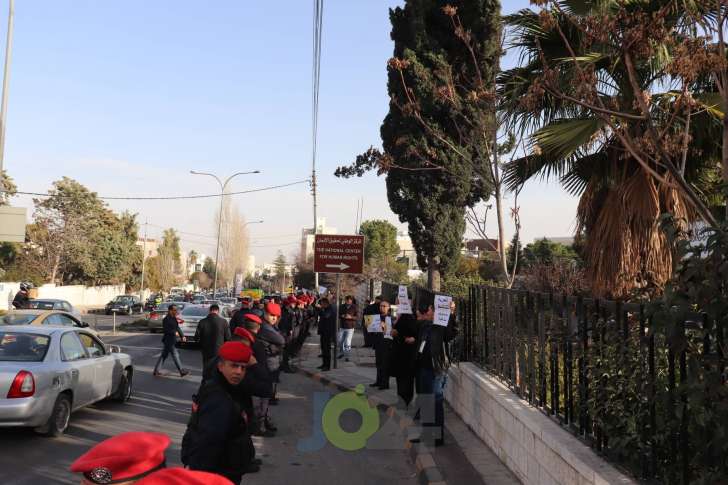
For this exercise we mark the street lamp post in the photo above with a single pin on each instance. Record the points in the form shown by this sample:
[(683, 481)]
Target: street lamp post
[(219, 217)]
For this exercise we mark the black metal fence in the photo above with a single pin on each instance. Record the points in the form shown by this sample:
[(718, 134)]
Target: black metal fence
[(602, 369)]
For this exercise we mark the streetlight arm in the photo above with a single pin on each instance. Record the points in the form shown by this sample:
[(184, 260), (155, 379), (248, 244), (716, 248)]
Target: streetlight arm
[(235, 175), (193, 172)]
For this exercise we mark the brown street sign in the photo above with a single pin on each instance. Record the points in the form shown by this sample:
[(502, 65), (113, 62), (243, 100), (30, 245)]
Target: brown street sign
[(338, 254)]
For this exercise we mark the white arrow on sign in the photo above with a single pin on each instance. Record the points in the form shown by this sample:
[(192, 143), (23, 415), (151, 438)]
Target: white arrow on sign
[(340, 266)]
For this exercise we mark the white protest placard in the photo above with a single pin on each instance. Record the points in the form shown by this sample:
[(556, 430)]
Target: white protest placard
[(442, 310), (404, 307), (375, 324), (387, 328)]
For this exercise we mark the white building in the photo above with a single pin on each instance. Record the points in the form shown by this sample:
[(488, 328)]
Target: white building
[(307, 238), (150, 247), (407, 251)]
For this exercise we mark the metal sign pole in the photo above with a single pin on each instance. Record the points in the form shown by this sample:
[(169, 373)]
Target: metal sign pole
[(336, 327)]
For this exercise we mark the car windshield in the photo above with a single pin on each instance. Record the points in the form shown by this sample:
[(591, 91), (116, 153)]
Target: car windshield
[(163, 307), (122, 299), (41, 304), (23, 347), (195, 311), (18, 318)]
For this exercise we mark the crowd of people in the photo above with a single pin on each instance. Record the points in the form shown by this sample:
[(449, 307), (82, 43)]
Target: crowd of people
[(242, 362), (408, 347), (241, 366)]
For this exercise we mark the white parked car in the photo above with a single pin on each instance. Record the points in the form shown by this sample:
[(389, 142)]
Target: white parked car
[(47, 372), (190, 317)]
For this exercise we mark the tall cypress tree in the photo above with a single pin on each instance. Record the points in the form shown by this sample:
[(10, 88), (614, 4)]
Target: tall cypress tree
[(430, 143)]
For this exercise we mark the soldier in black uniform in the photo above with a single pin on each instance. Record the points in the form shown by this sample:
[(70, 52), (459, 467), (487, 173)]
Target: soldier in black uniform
[(286, 326), (217, 438)]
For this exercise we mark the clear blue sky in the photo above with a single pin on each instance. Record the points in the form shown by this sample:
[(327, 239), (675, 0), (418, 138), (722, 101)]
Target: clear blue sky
[(127, 97)]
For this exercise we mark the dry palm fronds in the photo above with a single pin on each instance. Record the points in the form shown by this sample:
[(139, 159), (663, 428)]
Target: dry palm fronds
[(625, 246)]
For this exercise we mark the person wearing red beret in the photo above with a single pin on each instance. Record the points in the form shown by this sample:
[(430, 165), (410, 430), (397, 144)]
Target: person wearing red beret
[(182, 476), (124, 458), (273, 342), (286, 326), (217, 438), (243, 335), (255, 382)]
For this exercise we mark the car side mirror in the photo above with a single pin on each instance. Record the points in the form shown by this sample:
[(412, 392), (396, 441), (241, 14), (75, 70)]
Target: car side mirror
[(113, 349), (84, 325)]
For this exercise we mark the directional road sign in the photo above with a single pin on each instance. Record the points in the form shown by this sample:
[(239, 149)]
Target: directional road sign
[(338, 254)]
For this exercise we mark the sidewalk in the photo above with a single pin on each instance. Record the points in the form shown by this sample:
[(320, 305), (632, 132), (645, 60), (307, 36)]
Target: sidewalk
[(463, 459)]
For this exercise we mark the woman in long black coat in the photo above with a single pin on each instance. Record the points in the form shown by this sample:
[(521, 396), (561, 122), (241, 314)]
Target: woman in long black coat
[(404, 356)]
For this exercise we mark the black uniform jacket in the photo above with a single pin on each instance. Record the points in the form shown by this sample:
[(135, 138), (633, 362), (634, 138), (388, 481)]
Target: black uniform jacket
[(217, 438)]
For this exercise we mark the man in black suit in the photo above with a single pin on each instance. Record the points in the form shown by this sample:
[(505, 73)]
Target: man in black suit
[(212, 332)]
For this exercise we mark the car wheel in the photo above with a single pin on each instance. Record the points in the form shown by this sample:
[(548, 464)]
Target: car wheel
[(123, 392), (61, 415)]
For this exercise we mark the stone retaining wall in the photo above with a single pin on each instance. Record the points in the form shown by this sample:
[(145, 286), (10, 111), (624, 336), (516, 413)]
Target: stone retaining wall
[(536, 449)]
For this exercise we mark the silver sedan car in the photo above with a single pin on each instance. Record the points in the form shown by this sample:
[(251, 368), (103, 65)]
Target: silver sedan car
[(46, 373)]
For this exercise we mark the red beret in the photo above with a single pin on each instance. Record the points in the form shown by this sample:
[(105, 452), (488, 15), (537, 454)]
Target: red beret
[(235, 352), (181, 476), (124, 457), (273, 309), (244, 333), (253, 318)]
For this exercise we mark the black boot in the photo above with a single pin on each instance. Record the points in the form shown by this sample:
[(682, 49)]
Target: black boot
[(269, 424), (261, 430)]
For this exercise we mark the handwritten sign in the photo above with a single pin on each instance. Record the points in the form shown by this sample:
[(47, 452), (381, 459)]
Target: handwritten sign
[(442, 310), (376, 325), (404, 306)]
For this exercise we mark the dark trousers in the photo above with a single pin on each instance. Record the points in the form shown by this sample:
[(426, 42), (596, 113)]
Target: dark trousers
[(326, 341), (406, 386), (431, 393), (383, 354), (207, 367), (368, 338), (287, 352), (167, 350)]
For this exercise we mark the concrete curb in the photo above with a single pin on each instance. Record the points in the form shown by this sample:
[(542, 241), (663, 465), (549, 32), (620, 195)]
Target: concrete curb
[(420, 455)]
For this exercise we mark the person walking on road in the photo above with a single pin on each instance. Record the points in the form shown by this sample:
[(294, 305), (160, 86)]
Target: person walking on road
[(217, 439), (347, 314), (212, 332), (326, 330), (170, 328)]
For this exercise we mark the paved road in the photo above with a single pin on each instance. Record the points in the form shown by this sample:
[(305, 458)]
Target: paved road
[(162, 404)]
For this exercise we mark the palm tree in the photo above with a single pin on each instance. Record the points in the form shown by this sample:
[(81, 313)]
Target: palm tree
[(621, 198)]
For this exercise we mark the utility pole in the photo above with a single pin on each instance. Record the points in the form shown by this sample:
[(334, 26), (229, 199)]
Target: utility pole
[(315, 223), (6, 79), (144, 257)]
